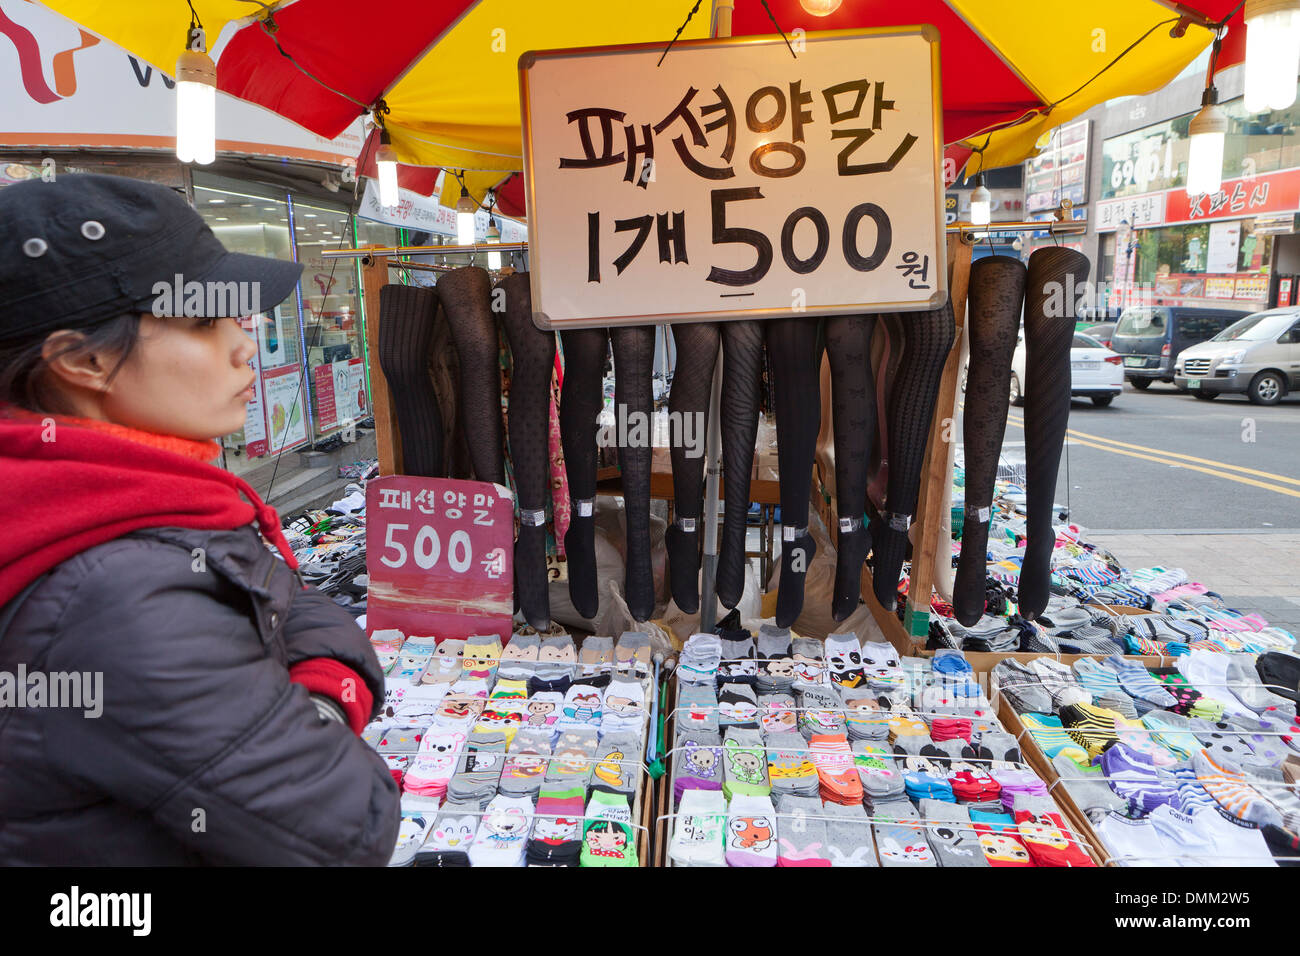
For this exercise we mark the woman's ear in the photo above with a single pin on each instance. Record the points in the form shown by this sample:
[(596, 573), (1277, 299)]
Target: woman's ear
[(73, 365)]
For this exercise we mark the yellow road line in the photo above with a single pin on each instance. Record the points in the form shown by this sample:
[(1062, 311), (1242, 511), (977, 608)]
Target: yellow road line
[(1166, 461)]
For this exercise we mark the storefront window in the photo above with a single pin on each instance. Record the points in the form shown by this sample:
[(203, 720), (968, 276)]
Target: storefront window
[(1202, 264), (1155, 157), (258, 224)]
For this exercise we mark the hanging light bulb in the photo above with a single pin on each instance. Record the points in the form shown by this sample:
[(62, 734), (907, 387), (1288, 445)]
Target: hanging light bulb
[(981, 203), (1272, 54), (820, 8), (196, 101), (386, 161), (1205, 156), (493, 238), (466, 209)]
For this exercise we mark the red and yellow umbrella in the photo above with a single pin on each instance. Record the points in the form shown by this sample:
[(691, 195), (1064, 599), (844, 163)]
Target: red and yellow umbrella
[(446, 70)]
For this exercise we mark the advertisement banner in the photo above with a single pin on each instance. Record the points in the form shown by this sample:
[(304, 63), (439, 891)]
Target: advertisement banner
[(285, 421), (1220, 288), (349, 390), (255, 411), (440, 557), (1237, 198), (322, 377)]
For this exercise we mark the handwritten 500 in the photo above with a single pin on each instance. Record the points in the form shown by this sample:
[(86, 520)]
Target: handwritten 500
[(426, 549)]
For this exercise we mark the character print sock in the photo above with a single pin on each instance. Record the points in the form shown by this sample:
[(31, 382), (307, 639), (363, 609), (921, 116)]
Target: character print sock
[(699, 660), (801, 832), (596, 656), (820, 710), (790, 765), (881, 665), (1137, 779), (452, 835), (1046, 835), (737, 707), (572, 757), (744, 764), (632, 654), (878, 771), (844, 659), (519, 657), (479, 771), (899, 843), (557, 658), (542, 710), (848, 836), (949, 831), (837, 776), (503, 832), (777, 714), (751, 831), (526, 762), (608, 838), (556, 839), (809, 660), (583, 706), (1000, 839), (415, 824), (865, 715), (697, 762), (618, 764), (431, 769), (697, 708), (624, 707), (445, 664), (482, 657), (776, 661), (699, 829), (738, 662)]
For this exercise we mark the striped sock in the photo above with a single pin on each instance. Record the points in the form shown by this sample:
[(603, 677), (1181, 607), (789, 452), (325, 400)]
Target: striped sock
[(1173, 730), (1228, 786), (1137, 780), (1097, 680), (1138, 682), (1047, 732), (1191, 795), (1092, 728)]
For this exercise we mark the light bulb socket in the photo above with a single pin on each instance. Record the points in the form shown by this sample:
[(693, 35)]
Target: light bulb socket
[(493, 230), (195, 66), (465, 203), (1209, 119)]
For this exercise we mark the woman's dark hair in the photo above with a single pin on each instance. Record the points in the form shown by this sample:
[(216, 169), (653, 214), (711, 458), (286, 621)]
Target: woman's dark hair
[(25, 371)]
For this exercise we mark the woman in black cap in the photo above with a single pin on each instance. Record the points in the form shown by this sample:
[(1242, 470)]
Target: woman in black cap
[(170, 693)]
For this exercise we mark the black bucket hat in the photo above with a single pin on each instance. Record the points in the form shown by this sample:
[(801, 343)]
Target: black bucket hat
[(82, 249)]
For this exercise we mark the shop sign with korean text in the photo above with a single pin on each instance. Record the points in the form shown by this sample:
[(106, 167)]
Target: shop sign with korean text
[(439, 557), (734, 180)]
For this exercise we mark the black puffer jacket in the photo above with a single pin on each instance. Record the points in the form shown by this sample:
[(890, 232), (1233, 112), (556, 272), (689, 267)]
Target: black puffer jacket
[(205, 752)]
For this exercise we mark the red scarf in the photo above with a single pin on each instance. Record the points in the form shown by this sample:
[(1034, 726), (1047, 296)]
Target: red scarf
[(73, 483)]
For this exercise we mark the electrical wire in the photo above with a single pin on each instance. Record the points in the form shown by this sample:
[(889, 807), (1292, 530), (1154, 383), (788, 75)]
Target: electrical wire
[(772, 17), (679, 32)]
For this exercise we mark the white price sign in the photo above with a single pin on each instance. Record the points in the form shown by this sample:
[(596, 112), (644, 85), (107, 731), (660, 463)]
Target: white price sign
[(734, 181)]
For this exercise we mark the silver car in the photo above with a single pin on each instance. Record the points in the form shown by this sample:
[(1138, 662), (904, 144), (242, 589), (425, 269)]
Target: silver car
[(1258, 356)]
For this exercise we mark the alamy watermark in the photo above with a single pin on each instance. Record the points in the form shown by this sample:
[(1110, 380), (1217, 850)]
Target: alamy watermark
[(74, 908), (630, 428), (74, 690), (194, 299)]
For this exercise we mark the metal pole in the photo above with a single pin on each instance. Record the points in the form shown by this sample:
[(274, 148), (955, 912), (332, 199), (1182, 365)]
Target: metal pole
[(722, 10)]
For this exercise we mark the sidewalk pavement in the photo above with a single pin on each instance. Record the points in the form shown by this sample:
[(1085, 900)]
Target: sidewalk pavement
[(1253, 572)]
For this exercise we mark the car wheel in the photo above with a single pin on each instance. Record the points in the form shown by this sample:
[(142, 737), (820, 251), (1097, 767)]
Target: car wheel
[(1206, 396), (1141, 384), (1101, 401), (1266, 388), (1017, 399)]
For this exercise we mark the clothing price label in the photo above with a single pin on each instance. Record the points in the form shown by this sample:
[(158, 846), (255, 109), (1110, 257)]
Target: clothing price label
[(736, 181), (439, 554)]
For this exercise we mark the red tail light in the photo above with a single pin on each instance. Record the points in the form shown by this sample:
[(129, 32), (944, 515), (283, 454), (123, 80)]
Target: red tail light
[(1114, 360), (1164, 349)]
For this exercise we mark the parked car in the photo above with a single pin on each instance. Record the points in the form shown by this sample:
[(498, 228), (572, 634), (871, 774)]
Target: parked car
[(1258, 355), (1101, 331), (1152, 337), (1095, 371)]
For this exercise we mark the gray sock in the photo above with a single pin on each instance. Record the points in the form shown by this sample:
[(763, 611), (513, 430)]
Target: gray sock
[(1245, 685), (790, 766), (900, 844), (697, 708), (557, 658), (618, 764), (820, 709), (777, 714), (519, 657), (949, 832), (738, 662), (632, 654), (809, 660), (737, 707), (776, 664), (880, 774), (1022, 688), (848, 836), (526, 762), (572, 756), (1087, 787), (697, 763), (800, 830), (1120, 703), (596, 656), (479, 771), (866, 714), (624, 707)]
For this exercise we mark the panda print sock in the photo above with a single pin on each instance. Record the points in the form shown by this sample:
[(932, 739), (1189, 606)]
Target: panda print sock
[(556, 838), (697, 763), (699, 829), (949, 831), (744, 764), (848, 836), (737, 707), (844, 659), (751, 831), (881, 665), (503, 832), (801, 832)]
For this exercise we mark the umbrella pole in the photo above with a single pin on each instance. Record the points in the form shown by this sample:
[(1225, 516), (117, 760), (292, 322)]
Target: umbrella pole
[(713, 446)]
